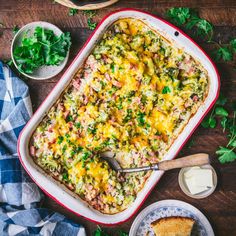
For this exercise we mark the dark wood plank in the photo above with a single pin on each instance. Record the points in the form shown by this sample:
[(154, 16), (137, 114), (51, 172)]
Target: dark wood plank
[(220, 208), (27, 11)]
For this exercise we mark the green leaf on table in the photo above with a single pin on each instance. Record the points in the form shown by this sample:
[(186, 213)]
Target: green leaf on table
[(193, 22), (232, 129), (220, 111), (212, 122), (233, 44), (178, 15), (204, 28), (226, 155), (232, 143), (224, 53), (100, 232), (72, 11), (205, 123), (91, 25), (209, 122), (223, 123)]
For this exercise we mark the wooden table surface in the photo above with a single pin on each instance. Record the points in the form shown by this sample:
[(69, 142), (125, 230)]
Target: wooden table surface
[(220, 207)]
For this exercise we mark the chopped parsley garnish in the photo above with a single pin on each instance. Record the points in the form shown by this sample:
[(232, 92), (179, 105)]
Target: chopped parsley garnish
[(166, 90), (140, 118), (92, 129), (60, 139), (69, 118), (149, 32), (113, 68), (72, 153), (64, 148), (144, 99), (103, 84), (128, 116), (65, 176), (78, 125), (119, 106), (131, 94), (79, 149), (85, 156)]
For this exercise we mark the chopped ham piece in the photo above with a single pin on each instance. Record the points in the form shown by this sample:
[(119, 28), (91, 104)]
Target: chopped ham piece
[(117, 84), (107, 76), (50, 128), (195, 98), (76, 83), (61, 107), (66, 113)]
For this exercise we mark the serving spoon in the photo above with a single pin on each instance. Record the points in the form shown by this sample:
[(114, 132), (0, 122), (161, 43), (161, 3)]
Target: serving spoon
[(188, 161)]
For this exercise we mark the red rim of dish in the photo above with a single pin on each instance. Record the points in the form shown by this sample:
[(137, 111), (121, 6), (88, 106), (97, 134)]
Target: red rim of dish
[(186, 139)]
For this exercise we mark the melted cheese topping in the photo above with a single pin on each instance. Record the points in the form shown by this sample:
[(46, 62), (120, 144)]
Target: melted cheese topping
[(133, 96)]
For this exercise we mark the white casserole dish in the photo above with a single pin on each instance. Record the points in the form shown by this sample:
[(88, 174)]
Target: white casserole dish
[(56, 190)]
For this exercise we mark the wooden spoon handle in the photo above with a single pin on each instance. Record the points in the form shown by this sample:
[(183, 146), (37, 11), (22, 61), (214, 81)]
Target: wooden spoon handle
[(192, 160)]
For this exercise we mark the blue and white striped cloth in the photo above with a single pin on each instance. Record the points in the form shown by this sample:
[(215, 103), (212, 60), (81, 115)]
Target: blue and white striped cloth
[(19, 196)]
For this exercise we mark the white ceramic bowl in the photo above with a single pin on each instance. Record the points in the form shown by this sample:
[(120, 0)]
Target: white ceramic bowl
[(204, 194), (56, 190), (43, 72)]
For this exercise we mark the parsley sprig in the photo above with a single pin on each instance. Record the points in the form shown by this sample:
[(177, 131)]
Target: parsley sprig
[(183, 16), (90, 14), (226, 52), (218, 110), (227, 153), (189, 19)]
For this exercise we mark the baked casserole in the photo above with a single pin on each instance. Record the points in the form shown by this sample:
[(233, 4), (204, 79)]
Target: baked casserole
[(133, 96)]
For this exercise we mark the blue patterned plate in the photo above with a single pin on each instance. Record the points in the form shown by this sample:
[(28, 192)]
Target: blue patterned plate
[(141, 225)]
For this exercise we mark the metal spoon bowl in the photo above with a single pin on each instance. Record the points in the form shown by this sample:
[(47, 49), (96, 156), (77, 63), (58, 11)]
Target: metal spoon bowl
[(191, 160)]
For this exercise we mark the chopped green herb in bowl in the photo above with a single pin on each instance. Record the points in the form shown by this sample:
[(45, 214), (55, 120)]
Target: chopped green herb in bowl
[(40, 50)]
